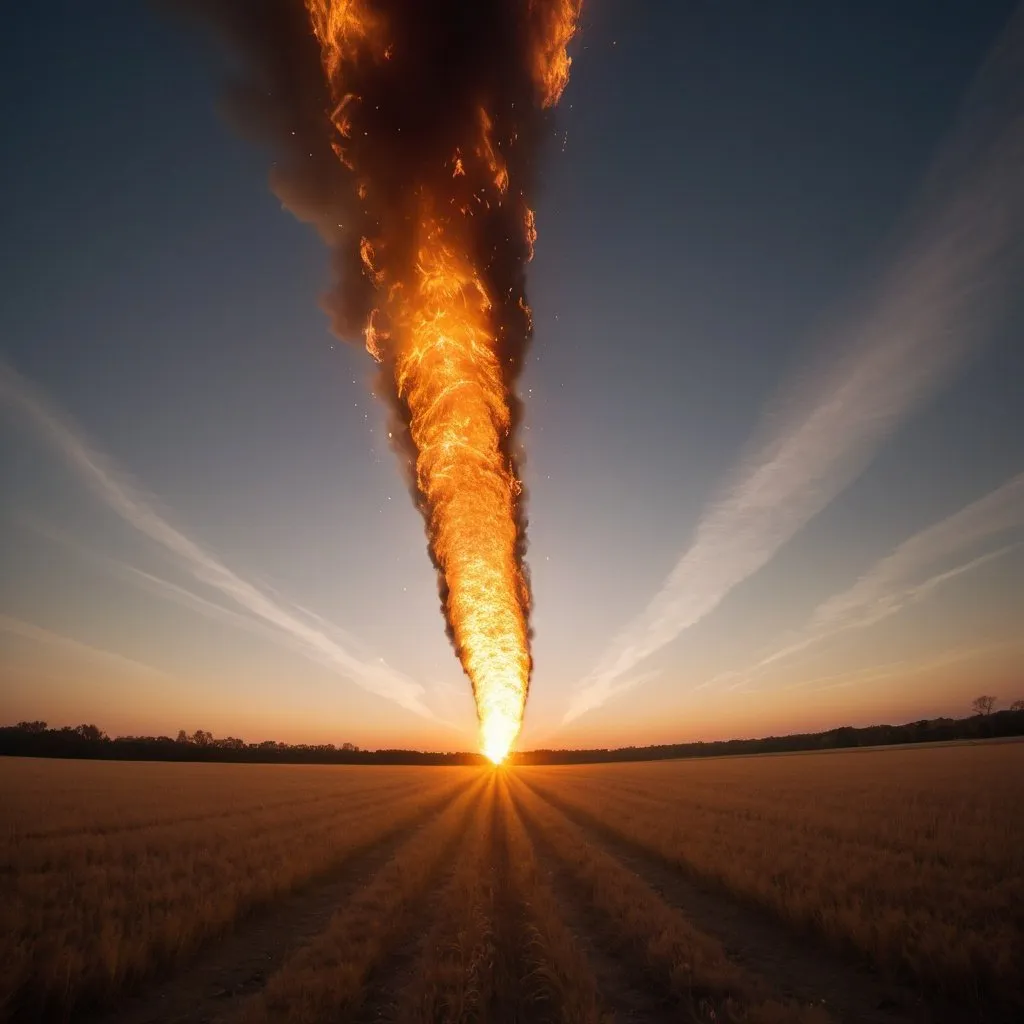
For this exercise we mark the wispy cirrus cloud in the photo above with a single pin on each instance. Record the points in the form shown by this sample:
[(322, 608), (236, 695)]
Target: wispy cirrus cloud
[(69, 645), (125, 498), (905, 668), (953, 276), (186, 598), (912, 572)]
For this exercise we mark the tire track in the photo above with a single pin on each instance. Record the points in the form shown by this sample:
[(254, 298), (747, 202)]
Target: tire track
[(227, 970), (755, 940)]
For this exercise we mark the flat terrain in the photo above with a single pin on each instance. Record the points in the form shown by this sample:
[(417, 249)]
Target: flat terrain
[(883, 887)]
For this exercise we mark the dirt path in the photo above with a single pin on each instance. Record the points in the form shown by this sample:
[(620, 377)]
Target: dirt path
[(793, 966), (216, 982)]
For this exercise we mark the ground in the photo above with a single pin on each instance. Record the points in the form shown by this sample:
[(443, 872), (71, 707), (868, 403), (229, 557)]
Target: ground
[(848, 886)]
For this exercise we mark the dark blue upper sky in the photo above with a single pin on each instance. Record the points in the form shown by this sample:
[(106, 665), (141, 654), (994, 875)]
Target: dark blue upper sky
[(725, 197)]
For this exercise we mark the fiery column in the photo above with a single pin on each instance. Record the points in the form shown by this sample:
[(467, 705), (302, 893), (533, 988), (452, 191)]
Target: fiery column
[(412, 150)]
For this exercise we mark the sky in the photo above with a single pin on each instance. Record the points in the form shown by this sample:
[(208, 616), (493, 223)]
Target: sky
[(773, 428)]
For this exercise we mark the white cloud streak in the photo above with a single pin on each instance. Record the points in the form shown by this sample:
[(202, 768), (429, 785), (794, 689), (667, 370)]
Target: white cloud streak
[(128, 502), (69, 645), (180, 595), (904, 668), (894, 582), (938, 301)]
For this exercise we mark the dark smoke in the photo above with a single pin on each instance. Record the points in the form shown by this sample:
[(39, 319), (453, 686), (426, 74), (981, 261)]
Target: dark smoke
[(414, 111)]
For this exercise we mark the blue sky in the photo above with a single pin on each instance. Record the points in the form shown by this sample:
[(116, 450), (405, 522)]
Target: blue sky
[(774, 430)]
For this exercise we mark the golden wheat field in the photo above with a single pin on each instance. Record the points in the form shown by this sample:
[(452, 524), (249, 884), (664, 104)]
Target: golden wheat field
[(881, 885)]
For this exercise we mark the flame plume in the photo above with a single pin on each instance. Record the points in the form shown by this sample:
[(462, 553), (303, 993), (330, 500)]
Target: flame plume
[(406, 132)]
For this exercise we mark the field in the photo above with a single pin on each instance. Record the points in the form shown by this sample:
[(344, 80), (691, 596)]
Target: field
[(847, 886)]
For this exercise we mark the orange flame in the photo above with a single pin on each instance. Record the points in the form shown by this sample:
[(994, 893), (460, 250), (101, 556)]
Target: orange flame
[(448, 373), (490, 155), (341, 27), (435, 331), (530, 231), (551, 63)]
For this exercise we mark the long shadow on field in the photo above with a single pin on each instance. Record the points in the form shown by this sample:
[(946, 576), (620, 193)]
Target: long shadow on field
[(624, 988), (789, 962), (216, 981), (399, 979)]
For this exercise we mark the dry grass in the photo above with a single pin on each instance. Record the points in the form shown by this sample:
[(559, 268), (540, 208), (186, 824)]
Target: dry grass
[(563, 982), (499, 948), (115, 870), (690, 966), (326, 980), (451, 979), (913, 858), (515, 895)]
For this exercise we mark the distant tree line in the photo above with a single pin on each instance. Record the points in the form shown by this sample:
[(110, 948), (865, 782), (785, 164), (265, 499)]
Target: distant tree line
[(985, 723), (37, 739)]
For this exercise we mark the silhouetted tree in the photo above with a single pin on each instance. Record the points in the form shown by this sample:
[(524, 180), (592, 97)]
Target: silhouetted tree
[(983, 705), (28, 739)]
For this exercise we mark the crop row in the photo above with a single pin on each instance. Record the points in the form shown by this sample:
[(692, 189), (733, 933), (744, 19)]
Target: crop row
[(87, 915), (911, 859)]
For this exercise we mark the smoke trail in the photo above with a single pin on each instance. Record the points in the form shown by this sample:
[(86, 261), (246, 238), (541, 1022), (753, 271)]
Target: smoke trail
[(406, 132)]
